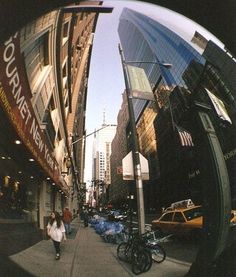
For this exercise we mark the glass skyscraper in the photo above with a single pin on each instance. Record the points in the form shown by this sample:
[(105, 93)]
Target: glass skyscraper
[(145, 39)]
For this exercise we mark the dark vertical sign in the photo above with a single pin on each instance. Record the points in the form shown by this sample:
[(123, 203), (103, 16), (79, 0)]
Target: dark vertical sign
[(15, 99)]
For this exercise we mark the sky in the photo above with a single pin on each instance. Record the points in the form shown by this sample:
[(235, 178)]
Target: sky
[(106, 81)]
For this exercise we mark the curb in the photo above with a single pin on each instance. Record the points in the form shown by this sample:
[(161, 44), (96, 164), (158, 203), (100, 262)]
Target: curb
[(178, 261)]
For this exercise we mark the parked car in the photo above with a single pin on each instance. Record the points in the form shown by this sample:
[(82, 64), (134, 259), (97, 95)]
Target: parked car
[(117, 215), (121, 216), (233, 217), (180, 221), (183, 221)]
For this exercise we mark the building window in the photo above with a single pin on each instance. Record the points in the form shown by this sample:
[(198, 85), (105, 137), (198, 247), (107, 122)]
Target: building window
[(65, 33), (75, 21), (45, 91), (65, 29), (37, 60), (64, 80)]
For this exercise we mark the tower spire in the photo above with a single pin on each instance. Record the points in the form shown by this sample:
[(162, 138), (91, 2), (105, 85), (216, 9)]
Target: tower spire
[(104, 117)]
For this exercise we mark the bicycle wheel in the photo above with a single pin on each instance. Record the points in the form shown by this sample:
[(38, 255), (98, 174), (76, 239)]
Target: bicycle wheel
[(158, 253), (149, 261), (141, 261), (122, 251)]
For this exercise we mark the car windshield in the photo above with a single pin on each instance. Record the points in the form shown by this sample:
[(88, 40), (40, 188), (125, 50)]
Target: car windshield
[(193, 213)]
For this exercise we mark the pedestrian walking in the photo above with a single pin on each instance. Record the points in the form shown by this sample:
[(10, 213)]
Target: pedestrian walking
[(82, 214), (86, 218), (67, 218), (56, 231)]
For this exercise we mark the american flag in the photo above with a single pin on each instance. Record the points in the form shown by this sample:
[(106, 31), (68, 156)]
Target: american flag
[(185, 137)]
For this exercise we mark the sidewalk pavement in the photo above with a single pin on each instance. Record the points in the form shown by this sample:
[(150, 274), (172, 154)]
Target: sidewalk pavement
[(85, 254)]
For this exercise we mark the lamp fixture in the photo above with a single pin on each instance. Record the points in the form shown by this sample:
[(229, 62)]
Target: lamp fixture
[(17, 141)]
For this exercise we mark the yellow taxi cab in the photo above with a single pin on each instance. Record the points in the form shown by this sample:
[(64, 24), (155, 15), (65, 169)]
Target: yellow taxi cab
[(233, 217), (183, 218), (180, 221)]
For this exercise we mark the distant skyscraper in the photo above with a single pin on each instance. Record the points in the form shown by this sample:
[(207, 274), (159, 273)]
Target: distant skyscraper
[(101, 158)]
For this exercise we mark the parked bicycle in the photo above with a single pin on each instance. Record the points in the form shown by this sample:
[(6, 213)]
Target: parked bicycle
[(151, 239), (135, 252), (140, 251)]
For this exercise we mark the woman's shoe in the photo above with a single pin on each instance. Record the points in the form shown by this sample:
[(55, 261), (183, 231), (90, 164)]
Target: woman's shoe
[(57, 256)]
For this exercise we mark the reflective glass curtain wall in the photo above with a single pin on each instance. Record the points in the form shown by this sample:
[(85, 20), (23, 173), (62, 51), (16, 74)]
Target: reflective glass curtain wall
[(144, 39)]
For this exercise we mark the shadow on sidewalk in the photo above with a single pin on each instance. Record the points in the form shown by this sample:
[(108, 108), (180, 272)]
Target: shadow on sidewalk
[(17, 237), (11, 269)]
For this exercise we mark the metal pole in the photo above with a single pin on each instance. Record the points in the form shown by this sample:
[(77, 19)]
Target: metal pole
[(135, 152)]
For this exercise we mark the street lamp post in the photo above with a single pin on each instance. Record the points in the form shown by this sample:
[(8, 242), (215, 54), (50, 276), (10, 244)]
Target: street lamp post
[(135, 152), (130, 199)]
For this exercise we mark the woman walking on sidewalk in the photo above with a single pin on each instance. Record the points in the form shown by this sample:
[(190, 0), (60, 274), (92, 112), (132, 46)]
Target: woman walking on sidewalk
[(56, 230)]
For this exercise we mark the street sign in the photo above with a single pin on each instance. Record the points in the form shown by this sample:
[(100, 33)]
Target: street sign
[(128, 168), (139, 83), (219, 106)]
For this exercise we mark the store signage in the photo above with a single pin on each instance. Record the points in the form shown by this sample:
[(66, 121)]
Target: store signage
[(15, 97)]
